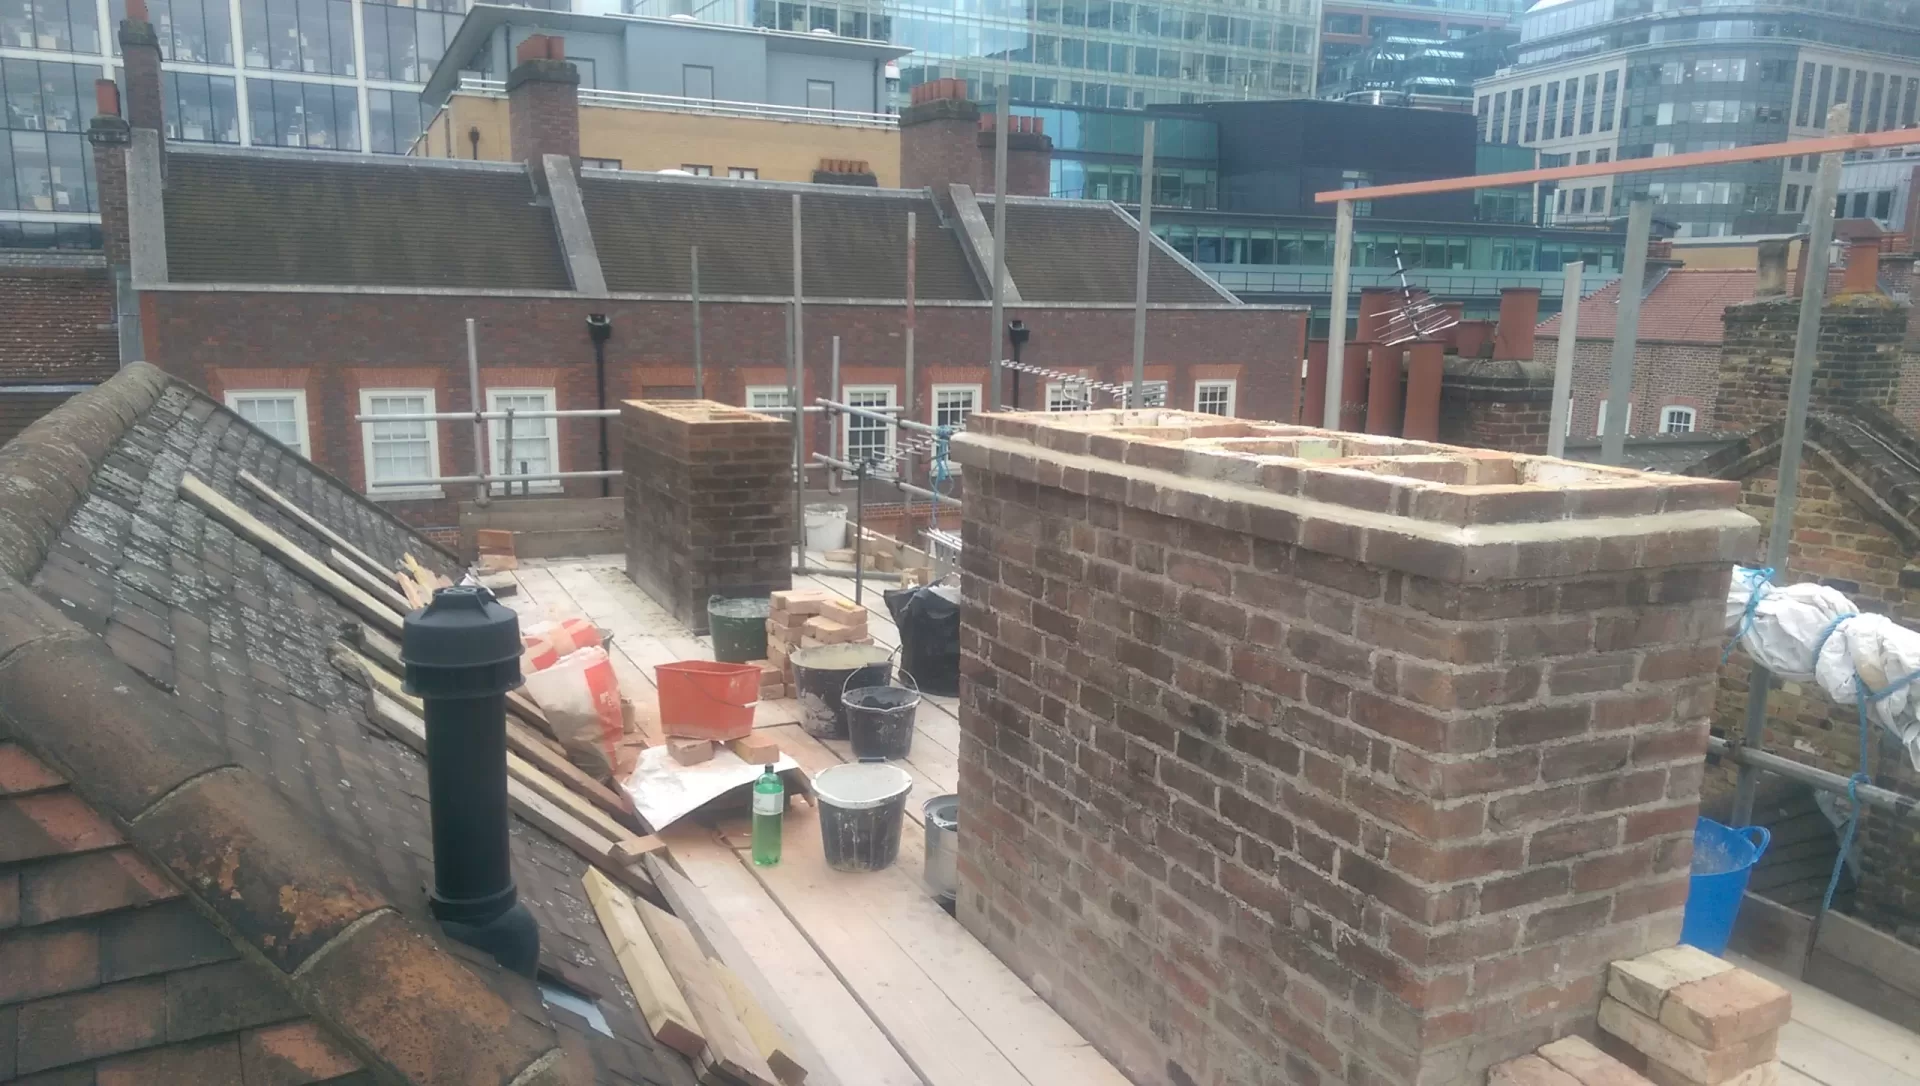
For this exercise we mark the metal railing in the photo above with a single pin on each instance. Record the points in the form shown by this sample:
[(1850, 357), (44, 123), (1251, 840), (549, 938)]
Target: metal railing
[(718, 107), (1455, 283)]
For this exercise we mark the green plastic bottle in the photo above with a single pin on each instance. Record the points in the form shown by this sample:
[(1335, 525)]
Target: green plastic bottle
[(769, 800)]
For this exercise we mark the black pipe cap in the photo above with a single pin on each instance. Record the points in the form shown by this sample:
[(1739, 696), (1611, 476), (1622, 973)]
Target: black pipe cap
[(463, 644)]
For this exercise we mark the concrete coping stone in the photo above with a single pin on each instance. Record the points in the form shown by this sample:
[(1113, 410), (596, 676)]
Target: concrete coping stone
[(1457, 514)]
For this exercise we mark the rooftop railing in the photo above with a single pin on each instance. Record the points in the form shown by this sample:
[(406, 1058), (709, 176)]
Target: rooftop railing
[(714, 107)]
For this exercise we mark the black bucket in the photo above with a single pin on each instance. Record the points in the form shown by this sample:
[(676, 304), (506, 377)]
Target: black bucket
[(880, 719), (862, 807), (822, 672)]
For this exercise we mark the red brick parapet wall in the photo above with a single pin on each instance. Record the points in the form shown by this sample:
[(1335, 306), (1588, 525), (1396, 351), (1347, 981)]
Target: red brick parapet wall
[(1296, 756), (709, 503)]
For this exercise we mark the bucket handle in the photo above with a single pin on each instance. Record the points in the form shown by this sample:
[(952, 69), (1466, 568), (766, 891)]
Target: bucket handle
[(902, 668), (1759, 846)]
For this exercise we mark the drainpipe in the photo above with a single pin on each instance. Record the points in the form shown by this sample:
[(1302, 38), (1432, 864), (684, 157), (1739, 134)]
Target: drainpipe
[(600, 329)]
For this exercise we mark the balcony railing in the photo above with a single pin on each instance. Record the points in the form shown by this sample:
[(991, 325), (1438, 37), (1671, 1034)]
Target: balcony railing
[(712, 107), (1451, 283)]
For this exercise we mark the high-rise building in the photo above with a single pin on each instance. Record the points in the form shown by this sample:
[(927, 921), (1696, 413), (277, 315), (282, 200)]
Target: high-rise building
[(1109, 53), (1349, 28), (1595, 80), (340, 75)]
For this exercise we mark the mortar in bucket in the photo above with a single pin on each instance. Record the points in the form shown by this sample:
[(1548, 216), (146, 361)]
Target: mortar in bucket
[(1723, 857), (862, 806), (880, 718), (822, 672), (739, 628)]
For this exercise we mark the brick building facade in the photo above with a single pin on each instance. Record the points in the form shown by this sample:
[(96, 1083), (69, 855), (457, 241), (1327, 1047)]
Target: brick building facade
[(307, 289), (1326, 770), (56, 333)]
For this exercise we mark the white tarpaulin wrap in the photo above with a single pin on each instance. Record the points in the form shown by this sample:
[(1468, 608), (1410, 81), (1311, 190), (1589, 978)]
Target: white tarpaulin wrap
[(1783, 629)]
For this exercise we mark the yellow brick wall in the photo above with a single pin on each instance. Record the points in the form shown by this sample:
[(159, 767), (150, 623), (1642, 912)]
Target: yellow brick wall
[(644, 139)]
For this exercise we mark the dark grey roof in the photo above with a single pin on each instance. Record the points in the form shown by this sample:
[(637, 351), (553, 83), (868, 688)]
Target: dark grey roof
[(853, 241), (242, 644), (1675, 454), (253, 218), (1063, 252)]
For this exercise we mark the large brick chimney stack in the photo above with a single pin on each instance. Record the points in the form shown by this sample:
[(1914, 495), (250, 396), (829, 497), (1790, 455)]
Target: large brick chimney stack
[(140, 48), (947, 139), (110, 134), (543, 102)]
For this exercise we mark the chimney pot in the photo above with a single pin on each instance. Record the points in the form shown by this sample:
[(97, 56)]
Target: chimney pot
[(1772, 264), (462, 655), (1519, 315), (106, 98)]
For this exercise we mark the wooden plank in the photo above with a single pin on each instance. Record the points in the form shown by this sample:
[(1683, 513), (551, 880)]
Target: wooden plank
[(250, 528), (1862, 987), (422, 576), (366, 582), (560, 823), (728, 911), (385, 651), (1830, 1036), (728, 1044), (662, 1005), (311, 523), (1895, 963), (772, 1046), (1772, 934)]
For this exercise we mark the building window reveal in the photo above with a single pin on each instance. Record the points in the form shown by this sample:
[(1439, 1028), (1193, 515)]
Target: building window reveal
[(533, 451), (281, 412), (819, 94), (864, 438), (1675, 420), (763, 397), (1214, 397), (698, 171), (395, 452), (744, 173)]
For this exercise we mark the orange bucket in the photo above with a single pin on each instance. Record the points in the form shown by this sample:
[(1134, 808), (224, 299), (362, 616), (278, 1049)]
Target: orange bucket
[(701, 699)]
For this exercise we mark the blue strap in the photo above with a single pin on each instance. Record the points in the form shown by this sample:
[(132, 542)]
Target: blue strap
[(1864, 696), (1762, 581)]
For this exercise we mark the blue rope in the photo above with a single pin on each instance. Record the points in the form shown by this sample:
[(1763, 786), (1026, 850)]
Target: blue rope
[(1762, 581), (940, 473), (1864, 696)]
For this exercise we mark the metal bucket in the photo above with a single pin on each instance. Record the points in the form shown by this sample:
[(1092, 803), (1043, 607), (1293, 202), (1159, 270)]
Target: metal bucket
[(943, 848), (822, 672)]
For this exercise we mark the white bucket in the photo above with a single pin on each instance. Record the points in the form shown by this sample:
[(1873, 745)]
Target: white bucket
[(826, 527)]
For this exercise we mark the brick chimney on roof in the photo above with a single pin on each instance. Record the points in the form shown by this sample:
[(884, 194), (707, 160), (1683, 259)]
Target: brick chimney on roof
[(110, 135), (947, 139), (1771, 282), (140, 49), (543, 102), (1862, 275), (1519, 315)]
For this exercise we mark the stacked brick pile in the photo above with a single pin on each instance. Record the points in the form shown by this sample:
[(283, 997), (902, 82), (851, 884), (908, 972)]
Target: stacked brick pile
[(1356, 757), (1569, 1061), (802, 618), (1694, 1020)]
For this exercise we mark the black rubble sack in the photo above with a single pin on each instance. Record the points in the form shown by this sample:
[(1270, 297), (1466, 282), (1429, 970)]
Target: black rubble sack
[(929, 620)]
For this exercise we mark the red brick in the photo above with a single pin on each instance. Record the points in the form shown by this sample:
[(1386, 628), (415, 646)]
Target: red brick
[(1573, 839)]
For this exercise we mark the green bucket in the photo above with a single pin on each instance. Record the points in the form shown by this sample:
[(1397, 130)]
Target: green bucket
[(739, 628)]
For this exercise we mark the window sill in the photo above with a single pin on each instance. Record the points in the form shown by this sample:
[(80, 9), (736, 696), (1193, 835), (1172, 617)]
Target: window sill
[(405, 494)]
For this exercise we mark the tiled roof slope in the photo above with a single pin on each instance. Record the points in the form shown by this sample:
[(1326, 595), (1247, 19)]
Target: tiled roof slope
[(1064, 252), (109, 975), (205, 723), (56, 325), (853, 242), (1685, 307), (235, 218), (1877, 458)]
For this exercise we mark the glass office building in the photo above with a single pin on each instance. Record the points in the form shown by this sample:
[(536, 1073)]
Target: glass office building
[(1096, 155), (338, 75), (1595, 80), (1106, 53)]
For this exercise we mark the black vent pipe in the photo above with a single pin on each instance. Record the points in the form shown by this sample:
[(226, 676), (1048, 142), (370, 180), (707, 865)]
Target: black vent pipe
[(462, 655)]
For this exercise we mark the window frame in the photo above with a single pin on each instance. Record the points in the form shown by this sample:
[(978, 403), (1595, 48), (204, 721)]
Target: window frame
[(747, 394), (1667, 418), (1230, 384), (696, 169), (847, 394), (976, 391), (1600, 420), (832, 93), (743, 173), (232, 397), (1056, 387), (380, 492), (496, 433)]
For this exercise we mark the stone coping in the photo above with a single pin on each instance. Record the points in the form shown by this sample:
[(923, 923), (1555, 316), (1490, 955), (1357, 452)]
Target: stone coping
[(1455, 514)]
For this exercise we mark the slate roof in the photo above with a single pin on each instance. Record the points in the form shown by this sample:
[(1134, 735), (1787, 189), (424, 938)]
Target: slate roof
[(853, 241), (1676, 454), (250, 217), (1085, 251), (1866, 444), (285, 813)]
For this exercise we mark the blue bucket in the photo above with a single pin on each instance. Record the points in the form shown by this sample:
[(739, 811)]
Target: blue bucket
[(1722, 859)]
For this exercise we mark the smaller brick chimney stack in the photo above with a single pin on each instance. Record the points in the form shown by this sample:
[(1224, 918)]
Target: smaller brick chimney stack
[(1772, 279), (948, 139), (1863, 267), (543, 102), (140, 48), (110, 135), (1519, 315)]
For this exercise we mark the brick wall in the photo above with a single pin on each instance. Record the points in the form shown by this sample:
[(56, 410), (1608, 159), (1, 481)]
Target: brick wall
[(56, 325), (1510, 425), (1860, 357), (1321, 771), (709, 503), (543, 112), (346, 342), (1664, 375)]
